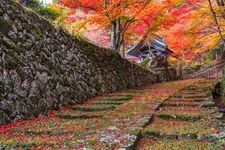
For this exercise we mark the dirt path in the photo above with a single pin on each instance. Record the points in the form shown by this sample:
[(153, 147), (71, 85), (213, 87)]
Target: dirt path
[(173, 115)]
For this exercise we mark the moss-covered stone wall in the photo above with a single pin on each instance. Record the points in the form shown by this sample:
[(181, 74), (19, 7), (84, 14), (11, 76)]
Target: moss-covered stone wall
[(42, 67)]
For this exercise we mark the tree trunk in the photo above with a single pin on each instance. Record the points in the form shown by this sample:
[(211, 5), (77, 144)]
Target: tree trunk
[(118, 35), (217, 23), (220, 2), (123, 48), (113, 35), (180, 69)]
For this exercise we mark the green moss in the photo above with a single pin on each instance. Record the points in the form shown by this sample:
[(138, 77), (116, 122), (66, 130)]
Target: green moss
[(2, 89), (20, 71), (92, 141), (79, 116), (4, 27), (123, 98), (36, 32), (151, 133), (89, 52), (98, 87), (47, 13), (12, 62), (94, 108), (108, 103)]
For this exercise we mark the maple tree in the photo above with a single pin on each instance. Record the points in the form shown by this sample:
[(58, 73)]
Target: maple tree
[(190, 27), (199, 29), (127, 21)]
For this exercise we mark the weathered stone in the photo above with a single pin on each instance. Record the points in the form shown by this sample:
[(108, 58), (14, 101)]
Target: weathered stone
[(221, 135), (18, 117), (3, 118), (3, 105), (4, 26), (113, 128), (207, 104), (218, 115), (168, 136), (187, 136), (12, 97)]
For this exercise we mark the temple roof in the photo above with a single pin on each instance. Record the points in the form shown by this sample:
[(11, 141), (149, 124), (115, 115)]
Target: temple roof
[(157, 44)]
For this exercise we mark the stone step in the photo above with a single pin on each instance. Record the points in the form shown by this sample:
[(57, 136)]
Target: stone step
[(181, 103), (117, 98), (190, 96), (182, 112), (200, 137), (207, 104), (178, 117), (93, 108), (79, 116), (151, 143), (108, 102), (176, 127), (187, 99), (159, 135), (121, 95)]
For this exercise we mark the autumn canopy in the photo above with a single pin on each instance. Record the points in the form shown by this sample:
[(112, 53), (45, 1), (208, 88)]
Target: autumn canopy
[(190, 27)]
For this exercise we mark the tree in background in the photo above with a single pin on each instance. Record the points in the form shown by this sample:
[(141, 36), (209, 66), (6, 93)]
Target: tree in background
[(200, 28), (127, 21), (190, 27), (220, 2)]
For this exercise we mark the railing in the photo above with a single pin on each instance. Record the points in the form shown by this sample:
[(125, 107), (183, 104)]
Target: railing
[(213, 71)]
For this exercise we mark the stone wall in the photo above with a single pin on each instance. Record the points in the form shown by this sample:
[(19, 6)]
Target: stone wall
[(42, 67)]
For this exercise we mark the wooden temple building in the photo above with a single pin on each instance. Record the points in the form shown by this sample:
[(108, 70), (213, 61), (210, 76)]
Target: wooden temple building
[(156, 51)]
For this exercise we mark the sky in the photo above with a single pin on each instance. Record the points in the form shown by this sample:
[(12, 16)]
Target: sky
[(46, 1)]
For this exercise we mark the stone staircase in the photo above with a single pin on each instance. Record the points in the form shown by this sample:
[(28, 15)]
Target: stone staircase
[(172, 115), (187, 120)]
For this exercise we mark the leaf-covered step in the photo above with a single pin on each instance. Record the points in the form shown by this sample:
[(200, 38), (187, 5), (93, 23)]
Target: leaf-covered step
[(137, 91), (84, 116), (25, 145), (190, 96), (72, 112), (178, 117), (193, 91), (117, 98), (197, 88), (93, 108), (42, 132), (207, 104), (121, 95), (108, 102), (187, 99), (158, 135), (176, 127), (150, 143), (181, 103), (183, 111)]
